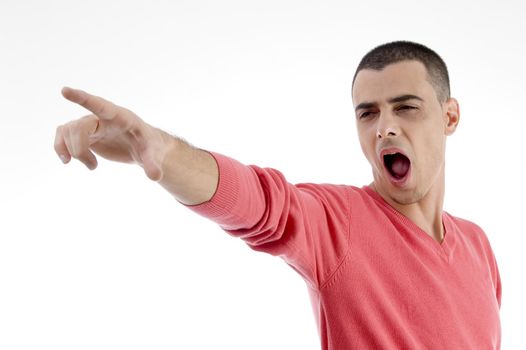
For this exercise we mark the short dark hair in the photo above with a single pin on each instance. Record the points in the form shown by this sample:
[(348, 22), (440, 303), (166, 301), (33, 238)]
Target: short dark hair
[(396, 51)]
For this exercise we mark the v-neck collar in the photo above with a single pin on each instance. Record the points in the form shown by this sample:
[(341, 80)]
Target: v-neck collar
[(444, 249)]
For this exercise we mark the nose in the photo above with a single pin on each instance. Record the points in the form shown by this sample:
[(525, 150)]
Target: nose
[(387, 126)]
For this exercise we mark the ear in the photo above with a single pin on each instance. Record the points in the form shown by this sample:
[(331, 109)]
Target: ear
[(451, 116)]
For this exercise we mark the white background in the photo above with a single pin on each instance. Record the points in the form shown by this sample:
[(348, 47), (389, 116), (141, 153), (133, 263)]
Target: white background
[(107, 259)]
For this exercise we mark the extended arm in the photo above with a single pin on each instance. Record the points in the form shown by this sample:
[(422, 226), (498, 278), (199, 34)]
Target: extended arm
[(307, 225), (117, 134)]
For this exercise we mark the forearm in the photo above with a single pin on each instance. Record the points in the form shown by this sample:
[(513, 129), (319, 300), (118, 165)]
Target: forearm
[(188, 173)]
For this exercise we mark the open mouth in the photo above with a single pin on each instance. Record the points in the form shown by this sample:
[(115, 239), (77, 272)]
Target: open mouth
[(397, 164)]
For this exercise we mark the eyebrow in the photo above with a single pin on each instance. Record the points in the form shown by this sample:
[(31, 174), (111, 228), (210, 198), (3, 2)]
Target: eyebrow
[(401, 98)]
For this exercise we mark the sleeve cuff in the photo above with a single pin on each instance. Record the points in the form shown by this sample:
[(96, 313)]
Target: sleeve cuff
[(221, 207)]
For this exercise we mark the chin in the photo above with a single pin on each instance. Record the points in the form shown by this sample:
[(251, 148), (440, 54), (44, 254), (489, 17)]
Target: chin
[(405, 195), (406, 198)]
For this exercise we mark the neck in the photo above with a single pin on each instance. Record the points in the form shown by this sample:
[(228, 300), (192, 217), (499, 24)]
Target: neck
[(426, 212)]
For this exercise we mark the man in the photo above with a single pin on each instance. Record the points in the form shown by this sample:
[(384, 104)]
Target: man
[(385, 266)]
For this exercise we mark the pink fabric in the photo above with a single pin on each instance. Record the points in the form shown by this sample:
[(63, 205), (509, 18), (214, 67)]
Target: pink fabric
[(376, 280)]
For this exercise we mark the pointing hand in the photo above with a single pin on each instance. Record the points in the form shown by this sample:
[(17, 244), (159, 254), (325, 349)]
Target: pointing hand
[(113, 132)]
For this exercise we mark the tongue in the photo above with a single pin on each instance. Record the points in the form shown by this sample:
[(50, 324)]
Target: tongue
[(400, 166)]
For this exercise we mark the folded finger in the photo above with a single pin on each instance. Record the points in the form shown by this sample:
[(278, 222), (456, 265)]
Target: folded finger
[(77, 143), (60, 146)]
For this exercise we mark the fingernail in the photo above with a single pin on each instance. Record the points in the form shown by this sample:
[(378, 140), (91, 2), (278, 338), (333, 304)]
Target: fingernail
[(63, 159)]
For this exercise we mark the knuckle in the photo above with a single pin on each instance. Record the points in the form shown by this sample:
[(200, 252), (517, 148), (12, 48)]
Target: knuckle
[(124, 110), (73, 130), (58, 143), (102, 110), (64, 128), (76, 128)]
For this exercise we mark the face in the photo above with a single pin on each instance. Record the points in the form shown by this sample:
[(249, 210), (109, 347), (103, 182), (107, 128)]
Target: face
[(397, 111)]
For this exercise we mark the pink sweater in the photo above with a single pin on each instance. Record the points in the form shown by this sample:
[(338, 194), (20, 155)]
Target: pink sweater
[(376, 280)]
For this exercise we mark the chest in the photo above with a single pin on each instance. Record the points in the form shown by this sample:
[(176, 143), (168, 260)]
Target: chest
[(418, 295)]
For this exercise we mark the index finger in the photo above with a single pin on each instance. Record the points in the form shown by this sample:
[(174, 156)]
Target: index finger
[(97, 105)]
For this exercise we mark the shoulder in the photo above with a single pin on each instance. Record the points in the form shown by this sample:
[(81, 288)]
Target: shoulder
[(467, 227), (348, 193), (474, 237), (357, 204), (472, 232)]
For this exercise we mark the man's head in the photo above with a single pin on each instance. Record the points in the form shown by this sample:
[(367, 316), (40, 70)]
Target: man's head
[(402, 103), (397, 51)]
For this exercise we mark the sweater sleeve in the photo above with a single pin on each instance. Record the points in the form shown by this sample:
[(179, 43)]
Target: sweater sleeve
[(307, 225)]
